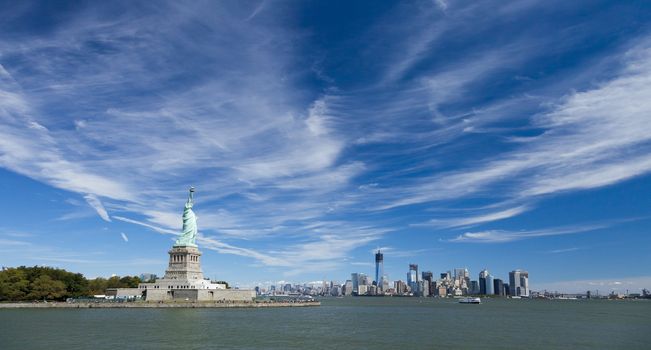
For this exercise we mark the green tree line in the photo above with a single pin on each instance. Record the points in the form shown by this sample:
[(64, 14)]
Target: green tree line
[(48, 283)]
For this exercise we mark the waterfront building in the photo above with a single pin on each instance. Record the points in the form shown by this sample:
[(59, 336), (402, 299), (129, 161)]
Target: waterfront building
[(385, 283), (427, 275), (474, 288), (482, 281), (412, 278), (354, 277), (348, 288), (359, 279), (461, 281), (489, 285), (400, 287), (364, 280), (363, 289), (428, 279), (498, 287), (424, 288), (519, 283), (379, 268)]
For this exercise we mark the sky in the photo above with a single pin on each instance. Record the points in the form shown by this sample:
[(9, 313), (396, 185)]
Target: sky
[(481, 134)]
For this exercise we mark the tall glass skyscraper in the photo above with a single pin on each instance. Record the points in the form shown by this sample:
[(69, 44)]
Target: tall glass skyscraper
[(379, 269), (412, 278), (482, 281), (498, 287), (519, 283), (354, 277), (489, 285)]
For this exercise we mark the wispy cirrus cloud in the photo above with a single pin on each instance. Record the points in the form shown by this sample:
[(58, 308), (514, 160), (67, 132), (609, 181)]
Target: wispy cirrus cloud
[(589, 139), (503, 236), (474, 220), (96, 204), (564, 250)]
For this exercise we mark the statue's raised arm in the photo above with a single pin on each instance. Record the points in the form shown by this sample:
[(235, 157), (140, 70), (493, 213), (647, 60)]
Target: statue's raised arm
[(190, 201)]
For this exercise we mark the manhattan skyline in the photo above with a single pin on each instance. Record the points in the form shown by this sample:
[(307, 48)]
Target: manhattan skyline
[(452, 134)]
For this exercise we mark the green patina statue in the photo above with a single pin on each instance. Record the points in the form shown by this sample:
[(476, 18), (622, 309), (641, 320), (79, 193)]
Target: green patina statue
[(189, 234)]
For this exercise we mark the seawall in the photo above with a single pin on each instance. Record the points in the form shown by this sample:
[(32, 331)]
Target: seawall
[(143, 305)]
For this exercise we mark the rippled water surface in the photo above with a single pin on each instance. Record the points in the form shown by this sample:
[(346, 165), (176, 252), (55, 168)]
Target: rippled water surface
[(352, 323)]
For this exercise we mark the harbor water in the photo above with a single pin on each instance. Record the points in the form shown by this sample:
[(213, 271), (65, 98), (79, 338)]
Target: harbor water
[(350, 323)]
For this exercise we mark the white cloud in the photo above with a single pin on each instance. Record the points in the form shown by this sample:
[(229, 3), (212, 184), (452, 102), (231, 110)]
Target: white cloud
[(593, 138), (12, 242), (442, 4), (564, 250), (478, 219), (96, 204), (502, 236), (124, 237), (153, 227)]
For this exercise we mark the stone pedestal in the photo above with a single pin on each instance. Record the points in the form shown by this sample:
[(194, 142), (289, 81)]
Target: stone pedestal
[(184, 265)]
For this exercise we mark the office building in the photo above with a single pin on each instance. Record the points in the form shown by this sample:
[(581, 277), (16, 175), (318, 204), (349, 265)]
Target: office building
[(428, 279), (412, 278), (474, 288), (519, 283), (400, 287), (489, 285), (482, 281), (354, 277), (498, 287), (348, 288), (379, 268)]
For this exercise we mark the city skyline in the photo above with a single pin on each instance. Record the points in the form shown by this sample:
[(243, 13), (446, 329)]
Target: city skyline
[(489, 135)]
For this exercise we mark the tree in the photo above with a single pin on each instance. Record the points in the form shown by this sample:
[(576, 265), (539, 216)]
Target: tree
[(224, 283), (41, 282), (44, 287), (129, 282), (97, 286), (113, 282), (76, 284), (14, 284)]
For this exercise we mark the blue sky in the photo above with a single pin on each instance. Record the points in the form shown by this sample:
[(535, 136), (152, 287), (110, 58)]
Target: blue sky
[(490, 134)]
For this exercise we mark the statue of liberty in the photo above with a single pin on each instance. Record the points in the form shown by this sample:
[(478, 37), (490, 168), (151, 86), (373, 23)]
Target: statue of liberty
[(189, 234)]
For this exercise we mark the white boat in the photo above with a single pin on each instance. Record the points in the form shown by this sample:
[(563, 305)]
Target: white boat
[(470, 301)]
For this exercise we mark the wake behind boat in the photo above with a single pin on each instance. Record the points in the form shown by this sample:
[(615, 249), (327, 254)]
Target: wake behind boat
[(470, 301)]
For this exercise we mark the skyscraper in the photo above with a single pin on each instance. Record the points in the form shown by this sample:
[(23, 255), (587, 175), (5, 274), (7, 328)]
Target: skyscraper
[(474, 288), (379, 269), (428, 279), (498, 287), (412, 278), (519, 283), (462, 279), (482, 281), (489, 285), (400, 287), (354, 277), (348, 288)]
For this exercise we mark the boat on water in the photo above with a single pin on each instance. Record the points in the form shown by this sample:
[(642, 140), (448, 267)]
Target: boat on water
[(470, 301)]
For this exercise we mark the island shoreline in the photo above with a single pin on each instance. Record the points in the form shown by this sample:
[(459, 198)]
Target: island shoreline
[(146, 305)]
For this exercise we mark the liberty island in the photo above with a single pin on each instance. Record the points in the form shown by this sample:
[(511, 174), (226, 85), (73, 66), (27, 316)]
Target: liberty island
[(184, 280)]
